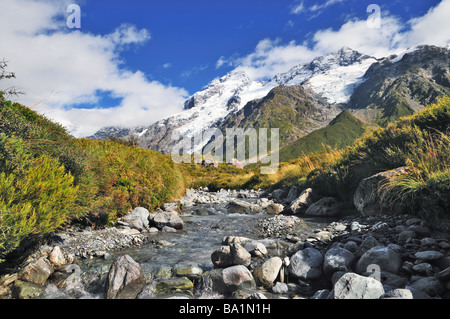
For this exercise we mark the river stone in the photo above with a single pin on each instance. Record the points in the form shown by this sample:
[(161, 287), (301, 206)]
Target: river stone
[(256, 248), (125, 279), (367, 199), (398, 294), (266, 274), (222, 257), (327, 206), (274, 208), (428, 255), (138, 218), (187, 269), (383, 257), (337, 259), (242, 207), (368, 243), (280, 288), (240, 255), (306, 264), (56, 257), (173, 284), (429, 285), (26, 290), (170, 219), (228, 280), (302, 202), (37, 272), (354, 286)]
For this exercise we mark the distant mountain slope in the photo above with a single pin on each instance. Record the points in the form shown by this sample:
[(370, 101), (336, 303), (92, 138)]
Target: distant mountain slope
[(295, 110), (341, 132), (306, 99), (400, 86), (333, 76)]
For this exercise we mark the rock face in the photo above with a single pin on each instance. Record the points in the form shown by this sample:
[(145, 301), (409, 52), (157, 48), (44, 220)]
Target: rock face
[(354, 286), (367, 198), (125, 278)]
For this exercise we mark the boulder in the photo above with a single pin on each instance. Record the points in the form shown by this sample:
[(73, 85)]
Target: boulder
[(302, 202), (428, 255), (337, 259), (256, 248), (383, 257), (137, 219), (56, 257), (170, 219), (266, 274), (228, 280), (26, 290), (280, 288), (398, 294), (231, 255), (240, 255), (125, 279), (222, 257), (327, 206), (354, 286), (274, 208), (429, 285), (306, 264), (293, 194), (37, 272), (242, 207), (367, 198)]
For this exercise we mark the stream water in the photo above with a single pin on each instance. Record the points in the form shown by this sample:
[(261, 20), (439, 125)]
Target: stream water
[(202, 235)]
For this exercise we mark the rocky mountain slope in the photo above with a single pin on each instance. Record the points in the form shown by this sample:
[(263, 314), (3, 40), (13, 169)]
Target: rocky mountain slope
[(306, 98)]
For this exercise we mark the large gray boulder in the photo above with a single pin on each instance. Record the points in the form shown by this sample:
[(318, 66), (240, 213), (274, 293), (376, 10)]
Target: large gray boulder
[(125, 279), (327, 206), (138, 218), (354, 286), (170, 219), (302, 202), (306, 264), (230, 279), (384, 258), (367, 197), (338, 259), (238, 206)]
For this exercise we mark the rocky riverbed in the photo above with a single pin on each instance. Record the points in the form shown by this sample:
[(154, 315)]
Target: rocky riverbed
[(241, 244)]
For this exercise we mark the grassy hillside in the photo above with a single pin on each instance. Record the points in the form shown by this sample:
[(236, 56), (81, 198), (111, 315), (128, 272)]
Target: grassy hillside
[(341, 132), (420, 141), (49, 179)]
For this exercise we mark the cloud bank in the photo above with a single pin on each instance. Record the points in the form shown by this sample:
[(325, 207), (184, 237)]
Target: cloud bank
[(59, 68), (271, 56)]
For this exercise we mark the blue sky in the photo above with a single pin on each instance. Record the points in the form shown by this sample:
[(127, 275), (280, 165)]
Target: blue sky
[(189, 37), (135, 62)]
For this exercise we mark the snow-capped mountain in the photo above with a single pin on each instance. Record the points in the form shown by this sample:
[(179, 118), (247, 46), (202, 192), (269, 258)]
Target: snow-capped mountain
[(333, 76)]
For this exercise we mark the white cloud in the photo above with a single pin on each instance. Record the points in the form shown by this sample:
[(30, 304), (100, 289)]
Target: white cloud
[(59, 67), (271, 56), (298, 8)]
